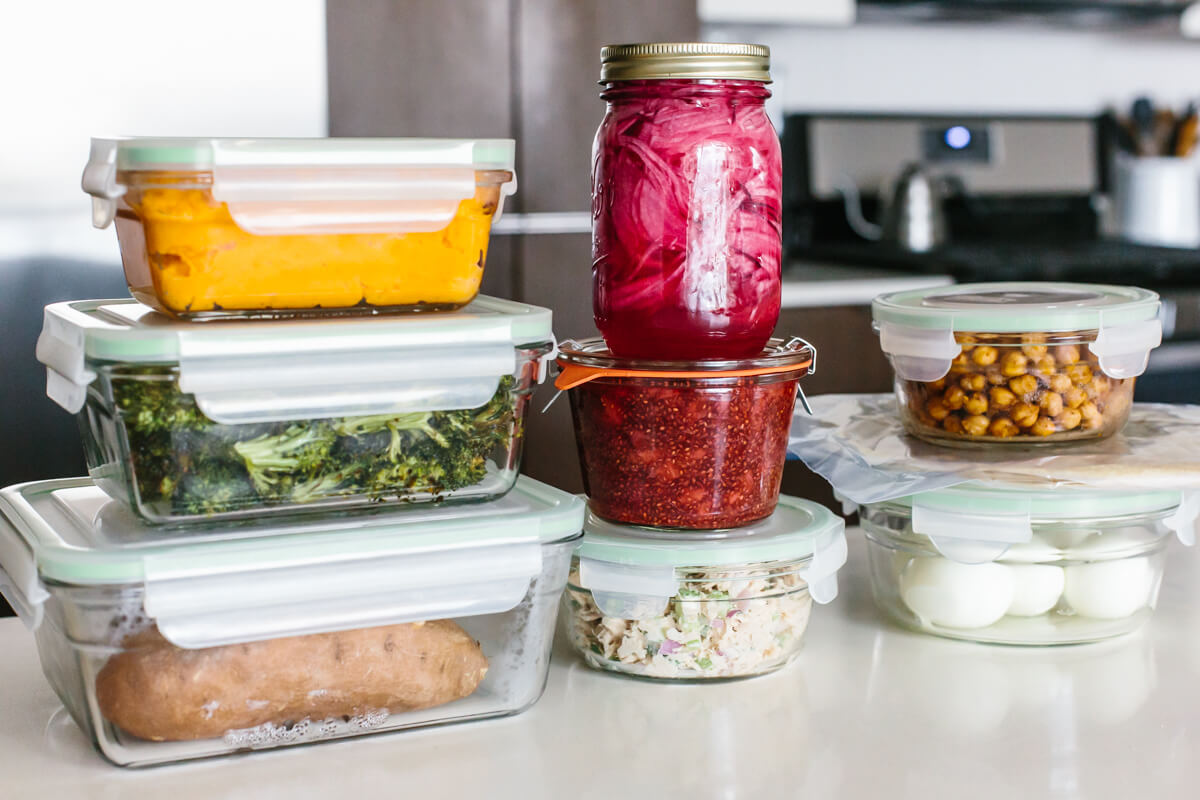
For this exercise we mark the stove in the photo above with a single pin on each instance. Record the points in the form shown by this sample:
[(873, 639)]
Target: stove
[(1029, 201)]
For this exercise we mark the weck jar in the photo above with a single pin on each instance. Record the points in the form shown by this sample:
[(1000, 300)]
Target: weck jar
[(686, 202)]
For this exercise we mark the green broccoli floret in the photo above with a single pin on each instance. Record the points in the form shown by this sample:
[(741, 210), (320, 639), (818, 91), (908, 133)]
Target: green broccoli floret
[(194, 465), (279, 460)]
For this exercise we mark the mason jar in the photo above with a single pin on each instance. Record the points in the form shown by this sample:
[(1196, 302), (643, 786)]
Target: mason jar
[(686, 202)]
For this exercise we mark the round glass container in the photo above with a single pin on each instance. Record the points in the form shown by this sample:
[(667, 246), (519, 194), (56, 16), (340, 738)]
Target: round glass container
[(686, 208), (1010, 565), (653, 605), (685, 445), (1013, 363)]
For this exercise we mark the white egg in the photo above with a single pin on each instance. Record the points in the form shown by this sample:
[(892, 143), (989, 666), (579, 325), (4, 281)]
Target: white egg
[(1066, 538), (969, 551), (1110, 589), (955, 595), (1036, 550), (1112, 541), (1036, 588)]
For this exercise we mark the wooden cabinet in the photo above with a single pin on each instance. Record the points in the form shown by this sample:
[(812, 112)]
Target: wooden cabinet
[(524, 69), (848, 361), (527, 69)]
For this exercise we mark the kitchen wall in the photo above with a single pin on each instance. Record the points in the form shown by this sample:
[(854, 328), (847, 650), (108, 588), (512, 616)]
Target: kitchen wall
[(525, 69), (74, 69), (962, 67)]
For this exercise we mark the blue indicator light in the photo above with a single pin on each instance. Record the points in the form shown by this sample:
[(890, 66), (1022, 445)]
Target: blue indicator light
[(957, 137)]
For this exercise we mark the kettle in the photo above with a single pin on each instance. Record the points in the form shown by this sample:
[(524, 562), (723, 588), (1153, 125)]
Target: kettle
[(914, 219)]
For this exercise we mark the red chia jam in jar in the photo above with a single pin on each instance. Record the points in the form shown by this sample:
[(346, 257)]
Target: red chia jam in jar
[(693, 453)]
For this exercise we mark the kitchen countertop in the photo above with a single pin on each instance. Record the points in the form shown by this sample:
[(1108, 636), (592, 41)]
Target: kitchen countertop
[(808, 284), (867, 711)]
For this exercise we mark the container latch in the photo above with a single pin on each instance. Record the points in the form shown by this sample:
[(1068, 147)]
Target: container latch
[(969, 537), (240, 379), (829, 556), (918, 354), (1183, 521), (1124, 350), (197, 604), (100, 181), (61, 347), (628, 592), (20, 584)]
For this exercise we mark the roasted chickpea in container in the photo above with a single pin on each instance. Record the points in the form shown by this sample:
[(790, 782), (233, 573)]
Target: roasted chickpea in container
[(1017, 363)]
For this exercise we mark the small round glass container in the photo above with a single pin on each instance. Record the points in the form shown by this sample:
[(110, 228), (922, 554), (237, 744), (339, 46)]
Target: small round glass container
[(1017, 363), (1010, 565), (694, 607)]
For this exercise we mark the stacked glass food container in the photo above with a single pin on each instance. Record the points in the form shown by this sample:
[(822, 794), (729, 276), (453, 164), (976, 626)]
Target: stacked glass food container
[(1036, 369), (304, 518), (692, 567)]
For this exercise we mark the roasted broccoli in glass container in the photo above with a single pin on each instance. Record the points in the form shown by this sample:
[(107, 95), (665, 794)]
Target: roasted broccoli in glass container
[(186, 464)]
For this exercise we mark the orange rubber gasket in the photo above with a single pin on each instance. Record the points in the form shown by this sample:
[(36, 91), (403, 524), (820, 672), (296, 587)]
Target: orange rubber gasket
[(572, 375)]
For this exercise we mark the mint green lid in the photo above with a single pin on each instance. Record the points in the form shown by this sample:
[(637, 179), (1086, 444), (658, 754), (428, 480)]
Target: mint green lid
[(798, 529), (69, 531), (202, 153), (125, 331), (219, 585), (1017, 307), (255, 371), (1056, 504)]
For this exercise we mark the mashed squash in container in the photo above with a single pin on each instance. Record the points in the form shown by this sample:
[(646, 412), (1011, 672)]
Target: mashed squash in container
[(213, 227)]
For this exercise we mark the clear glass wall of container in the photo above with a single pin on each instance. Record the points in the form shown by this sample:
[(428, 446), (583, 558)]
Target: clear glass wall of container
[(1076, 579)]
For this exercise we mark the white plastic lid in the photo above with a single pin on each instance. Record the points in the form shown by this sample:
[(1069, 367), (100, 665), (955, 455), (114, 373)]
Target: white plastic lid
[(976, 522), (306, 186), (238, 584), (632, 572), (257, 371), (917, 327)]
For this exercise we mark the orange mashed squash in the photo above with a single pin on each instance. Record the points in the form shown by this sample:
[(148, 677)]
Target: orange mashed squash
[(185, 255)]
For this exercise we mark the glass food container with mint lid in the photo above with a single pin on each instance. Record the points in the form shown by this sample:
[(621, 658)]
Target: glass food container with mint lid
[(171, 649), (1016, 363), (697, 607), (198, 423), (213, 228), (1015, 564)]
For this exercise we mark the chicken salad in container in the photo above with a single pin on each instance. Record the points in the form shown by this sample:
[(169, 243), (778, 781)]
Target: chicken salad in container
[(697, 607)]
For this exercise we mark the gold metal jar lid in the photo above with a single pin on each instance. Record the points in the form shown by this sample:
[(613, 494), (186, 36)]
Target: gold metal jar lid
[(685, 60)]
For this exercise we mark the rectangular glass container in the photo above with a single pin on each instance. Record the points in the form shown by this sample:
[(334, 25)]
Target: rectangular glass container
[(214, 228), (246, 419), (301, 633)]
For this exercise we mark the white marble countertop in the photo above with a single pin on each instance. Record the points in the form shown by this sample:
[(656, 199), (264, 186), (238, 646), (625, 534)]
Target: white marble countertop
[(867, 711), (813, 285)]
